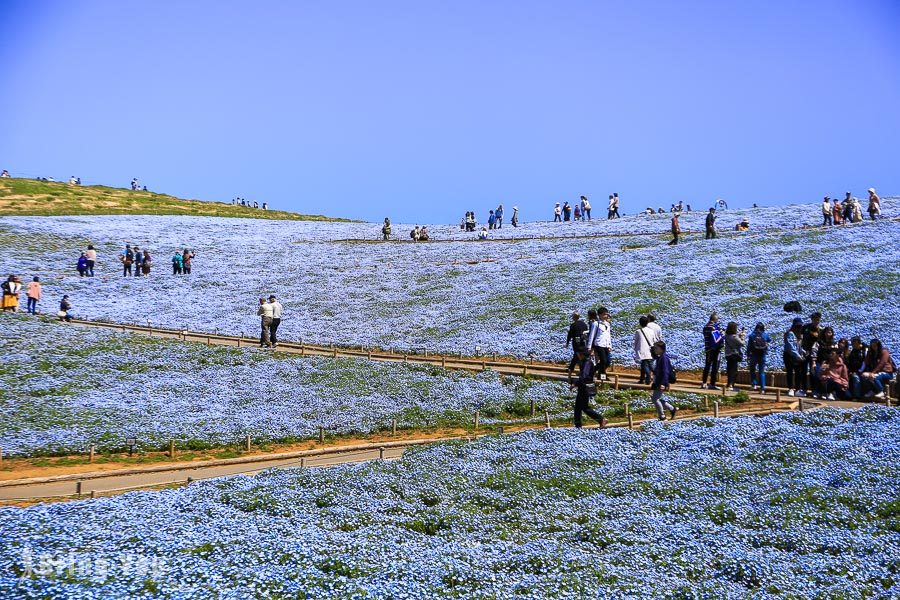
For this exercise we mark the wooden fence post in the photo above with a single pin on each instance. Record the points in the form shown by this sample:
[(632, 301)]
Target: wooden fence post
[(716, 409), (630, 421), (171, 448), (91, 453), (616, 382), (393, 426), (547, 418), (247, 443), (321, 434), (532, 408), (477, 416)]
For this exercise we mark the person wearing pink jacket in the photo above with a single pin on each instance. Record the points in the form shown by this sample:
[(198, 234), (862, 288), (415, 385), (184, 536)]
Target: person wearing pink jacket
[(834, 378)]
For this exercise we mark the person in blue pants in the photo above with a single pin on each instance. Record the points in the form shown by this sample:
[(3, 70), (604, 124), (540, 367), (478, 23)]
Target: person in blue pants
[(757, 349)]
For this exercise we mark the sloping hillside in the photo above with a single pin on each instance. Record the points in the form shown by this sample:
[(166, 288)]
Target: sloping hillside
[(43, 198)]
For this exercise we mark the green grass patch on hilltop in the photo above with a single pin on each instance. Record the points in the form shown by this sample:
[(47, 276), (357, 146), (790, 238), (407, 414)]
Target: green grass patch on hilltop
[(28, 197)]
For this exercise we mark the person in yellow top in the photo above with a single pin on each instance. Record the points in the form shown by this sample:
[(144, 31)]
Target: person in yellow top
[(11, 289), (33, 291)]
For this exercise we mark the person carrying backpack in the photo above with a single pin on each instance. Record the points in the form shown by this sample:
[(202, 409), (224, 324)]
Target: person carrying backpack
[(713, 340), (177, 263), (386, 229), (757, 349), (662, 379), (578, 338)]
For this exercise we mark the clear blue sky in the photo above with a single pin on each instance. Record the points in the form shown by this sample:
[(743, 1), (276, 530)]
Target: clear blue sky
[(422, 110)]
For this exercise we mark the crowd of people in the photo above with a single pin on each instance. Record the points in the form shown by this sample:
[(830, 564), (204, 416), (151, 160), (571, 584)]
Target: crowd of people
[(816, 362), (249, 204), (835, 212)]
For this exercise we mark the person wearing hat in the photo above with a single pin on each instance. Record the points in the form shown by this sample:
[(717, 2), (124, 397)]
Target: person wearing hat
[(64, 307), (277, 309), (744, 225), (793, 357), (826, 211), (515, 217), (847, 216), (711, 223), (874, 204), (557, 213)]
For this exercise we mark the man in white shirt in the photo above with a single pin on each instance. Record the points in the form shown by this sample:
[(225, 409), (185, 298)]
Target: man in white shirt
[(652, 324), (644, 338), (265, 311), (277, 309)]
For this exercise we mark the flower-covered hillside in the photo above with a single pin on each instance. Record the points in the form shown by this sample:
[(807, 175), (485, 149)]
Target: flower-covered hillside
[(510, 297), (789, 506)]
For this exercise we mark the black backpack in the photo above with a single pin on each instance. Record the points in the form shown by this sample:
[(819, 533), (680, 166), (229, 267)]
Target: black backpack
[(793, 306)]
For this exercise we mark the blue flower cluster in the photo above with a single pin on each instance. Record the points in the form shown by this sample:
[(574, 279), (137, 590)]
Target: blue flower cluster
[(787, 506), (65, 388), (511, 298)]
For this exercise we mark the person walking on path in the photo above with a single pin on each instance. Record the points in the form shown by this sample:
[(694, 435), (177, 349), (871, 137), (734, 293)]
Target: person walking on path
[(874, 204), (615, 208), (847, 215), (757, 349), (386, 230), (826, 211), (148, 262), (187, 258), (793, 357), (11, 288), (64, 307), (586, 390), (644, 338), (585, 208), (277, 309), (600, 339), (734, 347), (610, 208), (713, 339), (498, 216), (676, 230), (577, 336), (557, 212), (711, 224), (91, 254), (177, 263), (836, 211), (33, 291), (515, 217), (265, 311), (662, 379)]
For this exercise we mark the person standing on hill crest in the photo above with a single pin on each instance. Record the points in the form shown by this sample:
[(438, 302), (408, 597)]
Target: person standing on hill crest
[(585, 208), (676, 230), (874, 204), (515, 217), (177, 263), (826, 211), (187, 258), (711, 224), (265, 312), (557, 213), (386, 230), (498, 216), (277, 309)]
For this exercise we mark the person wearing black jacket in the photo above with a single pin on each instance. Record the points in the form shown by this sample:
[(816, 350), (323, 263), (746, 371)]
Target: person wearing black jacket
[(585, 386), (662, 373), (711, 224), (577, 337)]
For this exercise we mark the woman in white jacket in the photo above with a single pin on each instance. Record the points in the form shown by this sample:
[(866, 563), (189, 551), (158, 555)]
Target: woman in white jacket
[(644, 338)]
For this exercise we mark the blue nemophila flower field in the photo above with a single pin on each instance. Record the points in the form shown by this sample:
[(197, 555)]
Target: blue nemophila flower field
[(787, 506), (63, 388), (511, 297)]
